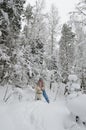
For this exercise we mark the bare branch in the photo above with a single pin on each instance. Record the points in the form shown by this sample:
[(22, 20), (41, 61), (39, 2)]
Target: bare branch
[(81, 11)]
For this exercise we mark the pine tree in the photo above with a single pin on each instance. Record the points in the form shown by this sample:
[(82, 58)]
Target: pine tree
[(10, 26), (66, 51), (10, 19)]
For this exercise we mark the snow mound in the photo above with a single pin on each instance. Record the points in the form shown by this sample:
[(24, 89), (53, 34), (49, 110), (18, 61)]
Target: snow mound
[(75, 86), (77, 106), (36, 115), (72, 78)]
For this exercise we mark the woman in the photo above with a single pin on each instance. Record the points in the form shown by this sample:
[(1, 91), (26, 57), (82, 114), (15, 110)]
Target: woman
[(40, 89)]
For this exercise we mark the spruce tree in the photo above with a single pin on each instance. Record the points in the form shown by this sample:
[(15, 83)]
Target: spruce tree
[(10, 25), (66, 51), (10, 19)]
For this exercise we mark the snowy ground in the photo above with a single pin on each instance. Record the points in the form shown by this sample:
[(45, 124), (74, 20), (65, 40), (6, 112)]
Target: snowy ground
[(33, 116), (36, 115)]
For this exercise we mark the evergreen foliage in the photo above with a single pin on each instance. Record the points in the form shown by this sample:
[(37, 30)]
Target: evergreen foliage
[(66, 51), (10, 25)]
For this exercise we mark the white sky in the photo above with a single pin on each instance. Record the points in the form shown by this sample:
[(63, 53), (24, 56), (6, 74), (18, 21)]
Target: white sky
[(64, 7)]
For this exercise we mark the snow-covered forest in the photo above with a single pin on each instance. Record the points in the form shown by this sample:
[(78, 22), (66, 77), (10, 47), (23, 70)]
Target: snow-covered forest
[(35, 44)]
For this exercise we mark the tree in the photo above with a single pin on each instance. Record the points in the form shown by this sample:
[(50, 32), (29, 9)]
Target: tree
[(10, 26), (10, 22), (53, 24), (80, 63), (78, 22), (52, 42), (66, 51), (34, 31)]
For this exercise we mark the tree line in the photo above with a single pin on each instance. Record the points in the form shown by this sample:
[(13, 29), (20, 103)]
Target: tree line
[(34, 44)]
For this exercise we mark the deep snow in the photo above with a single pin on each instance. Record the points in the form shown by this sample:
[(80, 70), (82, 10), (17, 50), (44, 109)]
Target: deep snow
[(27, 114), (36, 115)]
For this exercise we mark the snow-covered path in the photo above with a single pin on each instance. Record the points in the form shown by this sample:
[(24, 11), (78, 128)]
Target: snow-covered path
[(33, 116)]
